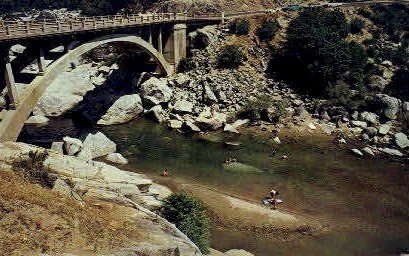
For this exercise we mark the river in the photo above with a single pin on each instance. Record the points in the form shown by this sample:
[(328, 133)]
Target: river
[(363, 202)]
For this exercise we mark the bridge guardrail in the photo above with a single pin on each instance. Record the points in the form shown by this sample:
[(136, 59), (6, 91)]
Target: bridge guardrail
[(22, 29)]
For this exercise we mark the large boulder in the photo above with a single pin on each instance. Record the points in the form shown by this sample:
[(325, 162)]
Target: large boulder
[(206, 35), (37, 120), (182, 106), (96, 145), (377, 83), (369, 117), (156, 91), (209, 94), (123, 110), (175, 124), (65, 92), (116, 158), (401, 140), (213, 122), (389, 106), (158, 114), (72, 146)]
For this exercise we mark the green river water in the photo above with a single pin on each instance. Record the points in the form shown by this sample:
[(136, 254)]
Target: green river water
[(363, 202)]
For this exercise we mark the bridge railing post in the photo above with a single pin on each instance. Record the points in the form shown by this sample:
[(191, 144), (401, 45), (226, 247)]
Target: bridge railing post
[(8, 32), (27, 27)]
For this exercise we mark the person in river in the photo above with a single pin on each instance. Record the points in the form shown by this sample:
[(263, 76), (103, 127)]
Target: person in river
[(165, 173)]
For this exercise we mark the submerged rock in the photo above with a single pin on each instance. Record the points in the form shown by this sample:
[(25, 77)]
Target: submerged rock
[(241, 168), (123, 110)]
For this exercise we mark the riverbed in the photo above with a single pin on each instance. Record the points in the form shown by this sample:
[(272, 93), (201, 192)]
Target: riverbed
[(362, 202)]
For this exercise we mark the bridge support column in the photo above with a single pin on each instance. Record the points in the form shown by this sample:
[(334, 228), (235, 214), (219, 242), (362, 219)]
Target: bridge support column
[(160, 40), (41, 63), (11, 85), (175, 48), (150, 36)]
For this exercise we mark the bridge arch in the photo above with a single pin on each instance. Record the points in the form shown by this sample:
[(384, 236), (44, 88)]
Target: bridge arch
[(164, 66), (13, 121)]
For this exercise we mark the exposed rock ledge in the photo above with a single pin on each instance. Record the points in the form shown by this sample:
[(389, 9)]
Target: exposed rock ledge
[(102, 182)]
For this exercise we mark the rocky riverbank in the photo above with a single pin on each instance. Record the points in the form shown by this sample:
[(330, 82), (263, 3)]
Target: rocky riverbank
[(208, 98), (83, 187)]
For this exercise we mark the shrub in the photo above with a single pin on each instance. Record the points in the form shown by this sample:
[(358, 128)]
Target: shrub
[(31, 167), (200, 41), (185, 65), (230, 56), (189, 216), (257, 108), (356, 26), (240, 26), (267, 30)]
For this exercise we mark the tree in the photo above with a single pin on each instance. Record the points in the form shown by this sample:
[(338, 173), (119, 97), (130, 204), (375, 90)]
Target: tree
[(268, 30), (189, 216), (356, 26), (317, 52)]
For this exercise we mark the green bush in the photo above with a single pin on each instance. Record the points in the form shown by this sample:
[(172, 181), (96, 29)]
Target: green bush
[(185, 65), (200, 41), (31, 167), (268, 30), (356, 26), (240, 26), (230, 56), (189, 216), (257, 109)]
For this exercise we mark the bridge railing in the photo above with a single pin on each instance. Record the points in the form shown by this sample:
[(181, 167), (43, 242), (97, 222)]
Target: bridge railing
[(22, 29)]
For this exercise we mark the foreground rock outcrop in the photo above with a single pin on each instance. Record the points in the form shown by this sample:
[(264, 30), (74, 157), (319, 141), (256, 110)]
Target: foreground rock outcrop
[(90, 182)]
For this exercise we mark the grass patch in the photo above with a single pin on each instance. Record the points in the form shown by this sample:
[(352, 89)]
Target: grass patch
[(31, 167)]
